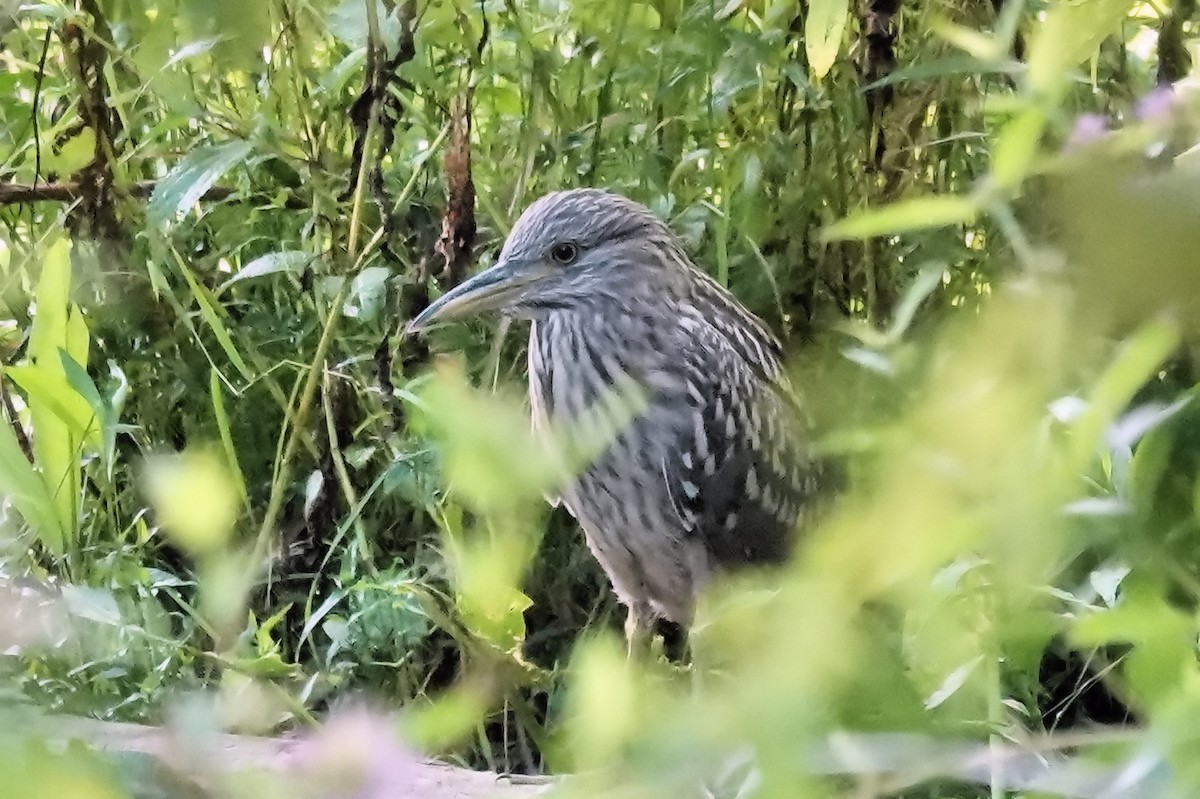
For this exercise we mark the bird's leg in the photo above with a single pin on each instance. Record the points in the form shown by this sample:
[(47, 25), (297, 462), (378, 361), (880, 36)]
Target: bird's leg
[(639, 630), (676, 645)]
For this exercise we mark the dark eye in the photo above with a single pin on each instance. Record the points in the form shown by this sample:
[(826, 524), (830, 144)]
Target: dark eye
[(565, 252)]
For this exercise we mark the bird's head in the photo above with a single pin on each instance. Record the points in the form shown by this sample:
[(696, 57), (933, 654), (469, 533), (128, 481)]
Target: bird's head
[(569, 249)]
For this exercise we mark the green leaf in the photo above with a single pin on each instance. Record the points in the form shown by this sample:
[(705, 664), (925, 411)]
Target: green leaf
[(1163, 637), (115, 403), (928, 279), (1070, 33), (981, 46), (208, 309), (61, 417), (223, 427), (191, 178), (1017, 146), (938, 68), (348, 23), (903, 216), (194, 498), (81, 382), (24, 488), (823, 29), (320, 613), (50, 390), (368, 290), (1139, 358), (269, 264), (76, 153), (93, 604)]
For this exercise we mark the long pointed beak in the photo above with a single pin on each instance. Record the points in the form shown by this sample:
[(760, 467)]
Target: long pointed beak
[(490, 290)]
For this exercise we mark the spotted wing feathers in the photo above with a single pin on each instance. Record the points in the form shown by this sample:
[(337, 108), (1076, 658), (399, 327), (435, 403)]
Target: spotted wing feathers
[(741, 477)]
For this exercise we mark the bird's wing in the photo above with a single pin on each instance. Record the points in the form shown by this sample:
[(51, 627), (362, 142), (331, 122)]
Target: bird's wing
[(741, 475)]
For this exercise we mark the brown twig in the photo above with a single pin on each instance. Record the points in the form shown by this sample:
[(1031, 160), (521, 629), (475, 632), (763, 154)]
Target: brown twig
[(72, 190)]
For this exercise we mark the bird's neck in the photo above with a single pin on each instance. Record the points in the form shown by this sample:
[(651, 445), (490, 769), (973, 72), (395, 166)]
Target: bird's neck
[(578, 356)]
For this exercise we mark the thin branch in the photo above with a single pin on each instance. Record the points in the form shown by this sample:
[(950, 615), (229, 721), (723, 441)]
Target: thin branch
[(70, 191), (37, 99)]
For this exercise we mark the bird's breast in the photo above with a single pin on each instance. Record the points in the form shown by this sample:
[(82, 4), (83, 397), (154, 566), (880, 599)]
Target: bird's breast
[(589, 382)]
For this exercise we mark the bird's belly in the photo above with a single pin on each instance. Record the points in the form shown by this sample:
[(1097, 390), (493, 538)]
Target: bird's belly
[(620, 498), (632, 531)]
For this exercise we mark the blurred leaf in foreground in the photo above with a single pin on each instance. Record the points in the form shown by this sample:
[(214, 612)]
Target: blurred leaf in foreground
[(195, 498)]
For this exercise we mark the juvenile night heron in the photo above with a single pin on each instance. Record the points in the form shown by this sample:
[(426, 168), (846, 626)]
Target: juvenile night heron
[(714, 472)]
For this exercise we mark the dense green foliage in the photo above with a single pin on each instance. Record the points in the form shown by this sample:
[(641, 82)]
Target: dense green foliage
[(228, 474)]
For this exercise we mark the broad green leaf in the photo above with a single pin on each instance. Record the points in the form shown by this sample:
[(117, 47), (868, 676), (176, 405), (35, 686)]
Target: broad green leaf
[(49, 331), (191, 178), (823, 29), (1069, 33), (194, 498), (51, 390), (987, 49), (76, 153), (1017, 146), (78, 342), (81, 383), (488, 566), (60, 415), (23, 487), (903, 216), (1163, 637), (368, 290)]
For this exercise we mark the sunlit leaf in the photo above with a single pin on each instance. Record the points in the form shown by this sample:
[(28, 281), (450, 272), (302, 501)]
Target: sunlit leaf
[(51, 391), (823, 28), (21, 485), (1070, 32), (52, 400), (76, 153), (194, 497), (1017, 146), (903, 216)]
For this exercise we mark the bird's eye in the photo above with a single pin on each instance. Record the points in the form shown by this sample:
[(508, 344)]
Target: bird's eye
[(565, 252)]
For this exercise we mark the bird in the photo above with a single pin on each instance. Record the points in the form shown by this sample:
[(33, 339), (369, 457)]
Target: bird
[(715, 471)]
